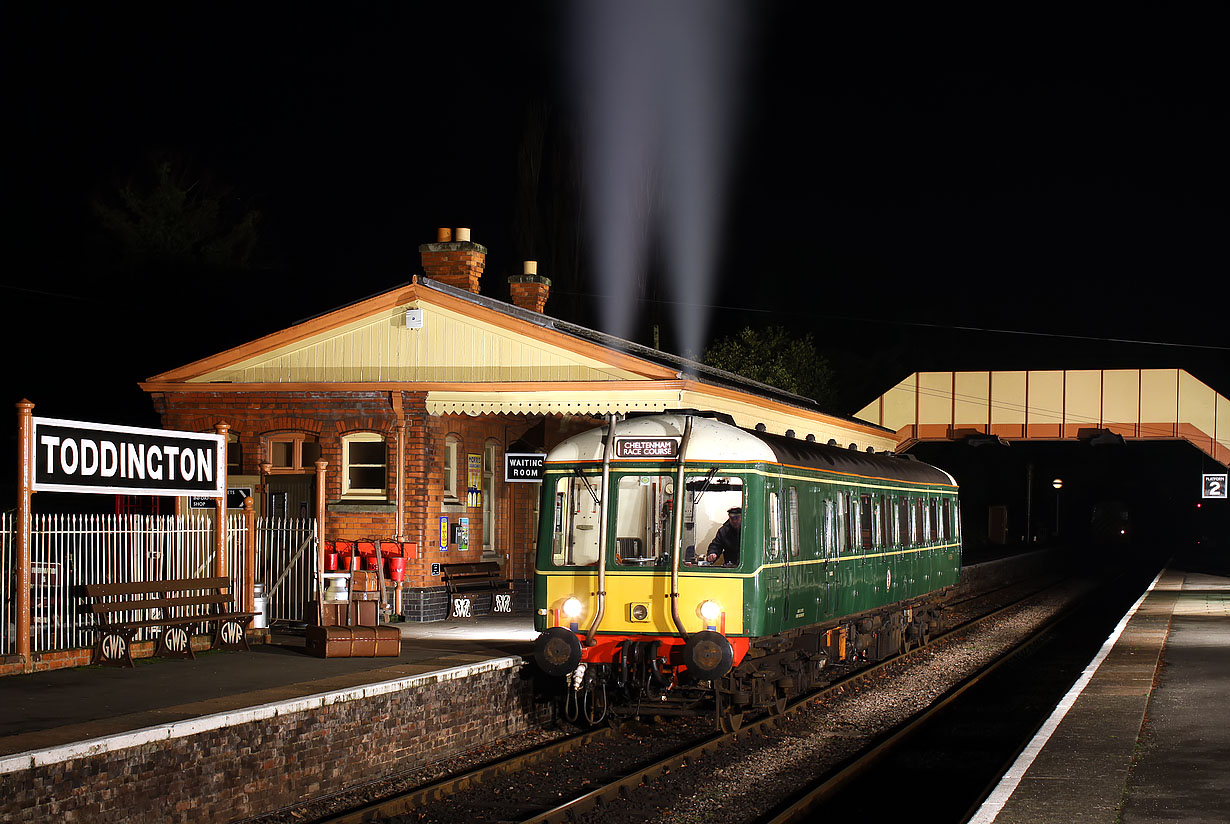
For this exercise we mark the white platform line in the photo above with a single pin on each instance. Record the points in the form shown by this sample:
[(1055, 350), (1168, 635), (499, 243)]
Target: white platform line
[(1012, 778)]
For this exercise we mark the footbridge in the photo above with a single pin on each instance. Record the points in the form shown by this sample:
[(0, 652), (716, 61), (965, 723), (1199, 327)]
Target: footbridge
[(1097, 405)]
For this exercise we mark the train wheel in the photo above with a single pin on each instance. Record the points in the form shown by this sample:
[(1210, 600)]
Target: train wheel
[(778, 707), (731, 721)]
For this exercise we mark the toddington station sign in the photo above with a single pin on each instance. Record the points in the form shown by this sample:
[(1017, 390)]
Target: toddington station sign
[(72, 456)]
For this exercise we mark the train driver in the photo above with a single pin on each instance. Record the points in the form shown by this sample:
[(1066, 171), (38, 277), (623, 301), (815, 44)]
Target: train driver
[(726, 543)]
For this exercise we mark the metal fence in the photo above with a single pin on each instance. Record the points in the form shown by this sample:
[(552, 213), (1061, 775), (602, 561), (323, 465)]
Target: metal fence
[(286, 565), (69, 551)]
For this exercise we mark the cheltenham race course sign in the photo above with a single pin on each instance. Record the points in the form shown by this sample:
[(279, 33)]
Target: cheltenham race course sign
[(71, 456)]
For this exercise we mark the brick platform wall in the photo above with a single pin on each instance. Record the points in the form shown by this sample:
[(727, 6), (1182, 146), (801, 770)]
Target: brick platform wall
[(229, 767)]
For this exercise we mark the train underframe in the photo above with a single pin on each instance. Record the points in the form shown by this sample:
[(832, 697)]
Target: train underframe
[(649, 676)]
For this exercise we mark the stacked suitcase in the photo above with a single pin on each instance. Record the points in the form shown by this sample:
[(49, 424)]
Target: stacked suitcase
[(352, 628)]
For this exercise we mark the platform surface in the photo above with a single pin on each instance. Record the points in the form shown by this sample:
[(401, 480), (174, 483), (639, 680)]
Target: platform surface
[(1147, 738), (68, 706)]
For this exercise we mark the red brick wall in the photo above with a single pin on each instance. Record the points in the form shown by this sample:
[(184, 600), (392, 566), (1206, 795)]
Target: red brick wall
[(331, 415), (240, 768)]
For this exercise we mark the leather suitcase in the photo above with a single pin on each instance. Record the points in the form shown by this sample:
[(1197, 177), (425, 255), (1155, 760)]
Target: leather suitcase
[(388, 641), (363, 580), (363, 642), (330, 642)]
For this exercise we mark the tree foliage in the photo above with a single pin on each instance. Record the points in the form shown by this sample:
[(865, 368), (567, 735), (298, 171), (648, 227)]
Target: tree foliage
[(777, 357), (180, 222)]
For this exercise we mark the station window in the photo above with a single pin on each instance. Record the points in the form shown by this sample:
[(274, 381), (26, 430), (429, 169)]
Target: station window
[(490, 458), (452, 455), (364, 465), (291, 451), (234, 454)]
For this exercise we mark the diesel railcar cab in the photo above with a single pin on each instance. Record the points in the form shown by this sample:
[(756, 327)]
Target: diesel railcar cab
[(690, 564)]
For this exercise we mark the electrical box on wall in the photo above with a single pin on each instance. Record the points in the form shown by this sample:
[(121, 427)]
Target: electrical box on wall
[(414, 318)]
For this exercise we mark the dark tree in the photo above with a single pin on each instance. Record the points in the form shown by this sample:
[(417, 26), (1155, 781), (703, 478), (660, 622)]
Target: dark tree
[(178, 219), (776, 356)]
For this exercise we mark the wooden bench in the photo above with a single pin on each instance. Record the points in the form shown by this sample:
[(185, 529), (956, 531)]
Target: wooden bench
[(174, 606), (463, 580)]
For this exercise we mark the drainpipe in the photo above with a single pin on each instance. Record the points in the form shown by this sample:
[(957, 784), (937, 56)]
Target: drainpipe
[(604, 494), (677, 548)]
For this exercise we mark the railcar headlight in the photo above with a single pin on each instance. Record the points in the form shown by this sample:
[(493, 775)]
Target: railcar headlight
[(710, 611), (639, 612), (573, 608)]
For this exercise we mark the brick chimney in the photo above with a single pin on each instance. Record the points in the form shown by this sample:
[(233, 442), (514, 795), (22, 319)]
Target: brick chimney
[(457, 262), (529, 290)]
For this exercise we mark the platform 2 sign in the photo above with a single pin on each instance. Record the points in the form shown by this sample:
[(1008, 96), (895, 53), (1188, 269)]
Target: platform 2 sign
[(97, 458), (1214, 486)]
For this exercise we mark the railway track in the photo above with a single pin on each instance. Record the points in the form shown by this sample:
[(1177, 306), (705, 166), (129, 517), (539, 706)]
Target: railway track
[(605, 770)]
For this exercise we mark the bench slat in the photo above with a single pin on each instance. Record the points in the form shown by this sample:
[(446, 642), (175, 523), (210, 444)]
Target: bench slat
[(140, 587), (108, 607)]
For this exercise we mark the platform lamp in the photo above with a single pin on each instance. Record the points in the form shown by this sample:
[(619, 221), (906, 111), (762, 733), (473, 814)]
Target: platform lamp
[(1058, 484)]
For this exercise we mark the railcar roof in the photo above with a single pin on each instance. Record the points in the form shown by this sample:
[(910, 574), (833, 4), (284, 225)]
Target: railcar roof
[(835, 459)]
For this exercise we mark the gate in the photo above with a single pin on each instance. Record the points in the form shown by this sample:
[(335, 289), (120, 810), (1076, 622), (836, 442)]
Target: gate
[(286, 553)]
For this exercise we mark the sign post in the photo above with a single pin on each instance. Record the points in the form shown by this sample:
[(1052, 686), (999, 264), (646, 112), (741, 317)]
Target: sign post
[(25, 426)]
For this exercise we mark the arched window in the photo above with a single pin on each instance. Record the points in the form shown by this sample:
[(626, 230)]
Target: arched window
[(365, 469), (490, 461), (452, 471)]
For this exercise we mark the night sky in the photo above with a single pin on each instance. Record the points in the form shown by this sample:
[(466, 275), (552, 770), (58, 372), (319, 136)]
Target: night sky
[(968, 193)]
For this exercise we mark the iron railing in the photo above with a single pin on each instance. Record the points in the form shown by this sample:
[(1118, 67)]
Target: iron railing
[(69, 551)]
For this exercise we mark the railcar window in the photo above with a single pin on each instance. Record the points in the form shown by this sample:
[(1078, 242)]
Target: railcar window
[(903, 521), (945, 519), (865, 521), (845, 522), (882, 519), (913, 521), (774, 530), (643, 518), (933, 528), (792, 514), (707, 502), (575, 533), (830, 527)]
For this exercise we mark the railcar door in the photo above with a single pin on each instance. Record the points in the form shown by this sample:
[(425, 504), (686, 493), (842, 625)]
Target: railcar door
[(800, 585), (774, 580), (826, 567)]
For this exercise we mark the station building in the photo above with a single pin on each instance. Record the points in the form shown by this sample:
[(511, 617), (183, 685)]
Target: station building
[(409, 403)]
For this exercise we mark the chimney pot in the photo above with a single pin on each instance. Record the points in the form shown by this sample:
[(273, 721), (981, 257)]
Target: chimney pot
[(529, 290), (454, 259)]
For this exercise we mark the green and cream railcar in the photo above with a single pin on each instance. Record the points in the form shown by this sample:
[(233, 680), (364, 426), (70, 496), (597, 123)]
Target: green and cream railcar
[(840, 554)]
